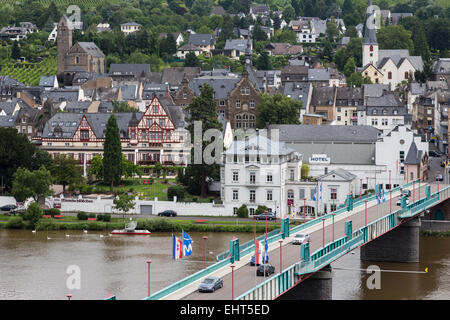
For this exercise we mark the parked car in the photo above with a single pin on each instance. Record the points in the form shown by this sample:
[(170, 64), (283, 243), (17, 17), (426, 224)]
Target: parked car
[(399, 201), (439, 177), (262, 216), (433, 153), (8, 207), (167, 213), (264, 260), (210, 284), (300, 238), (265, 270)]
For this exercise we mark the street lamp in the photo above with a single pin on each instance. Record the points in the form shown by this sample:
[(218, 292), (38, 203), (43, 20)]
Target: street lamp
[(304, 210), (360, 189), (68, 296), (281, 265), (390, 192), (333, 214), (366, 211), (148, 263), (232, 281), (204, 242), (323, 231)]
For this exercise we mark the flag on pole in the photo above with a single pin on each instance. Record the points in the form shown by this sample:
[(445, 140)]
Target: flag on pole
[(315, 194), (187, 244), (177, 248), (266, 252), (384, 196), (258, 253), (320, 191)]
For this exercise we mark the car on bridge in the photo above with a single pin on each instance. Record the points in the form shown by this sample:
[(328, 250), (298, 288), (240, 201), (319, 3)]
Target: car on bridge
[(210, 284), (399, 201), (439, 177), (252, 260), (300, 238), (266, 215), (167, 213), (406, 193), (265, 270)]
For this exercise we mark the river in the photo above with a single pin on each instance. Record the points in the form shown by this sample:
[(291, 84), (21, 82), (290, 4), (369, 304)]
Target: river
[(38, 266)]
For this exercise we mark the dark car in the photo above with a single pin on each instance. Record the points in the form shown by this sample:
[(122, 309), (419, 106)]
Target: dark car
[(433, 153), (439, 177), (167, 213), (8, 207), (265, 270), (262, 216), (252, 260), (210, 284), (406, 193)]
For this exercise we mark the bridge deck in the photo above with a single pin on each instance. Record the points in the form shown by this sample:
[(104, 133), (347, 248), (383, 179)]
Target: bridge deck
[(245, 275)]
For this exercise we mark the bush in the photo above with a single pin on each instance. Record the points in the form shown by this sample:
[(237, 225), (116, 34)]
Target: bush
[(107, 217), (99, 217), (261, 210), (177, 191), (81, 215), (33, 214), (15, 223), (91, 215), (242, 212)]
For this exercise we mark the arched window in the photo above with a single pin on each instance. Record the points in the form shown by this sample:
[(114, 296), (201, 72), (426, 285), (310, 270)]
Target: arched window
[(406, 75), (371, 48)]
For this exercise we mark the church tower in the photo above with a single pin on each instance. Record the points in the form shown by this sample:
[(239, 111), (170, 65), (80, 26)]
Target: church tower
[(64, 43), (370, 44)]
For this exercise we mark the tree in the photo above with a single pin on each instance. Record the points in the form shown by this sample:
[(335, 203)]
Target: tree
[(33, 184), (41, 158), (350, 67), (15, 51), (288, 13), (242, 212), (304, 171), (129, 168), (263, 62), (277, 109), (191, 60), (258, 34), (96, 167), (168, 46), (202, 7), (276, 22), (112, 154), (203, 110), (356, 80), (395, 37), (332, 30), (65, 171), (33, 214), (124, 202), (177, 191)]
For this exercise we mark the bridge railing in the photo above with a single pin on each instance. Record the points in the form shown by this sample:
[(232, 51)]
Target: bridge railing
[(188, 280)]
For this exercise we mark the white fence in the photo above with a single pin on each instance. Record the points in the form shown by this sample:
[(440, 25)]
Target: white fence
[(105, 205)]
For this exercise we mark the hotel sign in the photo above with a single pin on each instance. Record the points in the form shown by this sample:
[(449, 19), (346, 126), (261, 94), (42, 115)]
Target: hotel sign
[(319, 159)]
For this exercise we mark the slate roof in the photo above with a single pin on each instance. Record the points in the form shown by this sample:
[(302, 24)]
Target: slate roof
[(282, 48), (61, 95), (297, 91), (222, 85), (397, 56), (318, 75), (441, 66), (237, 44), (92, 49), (129, 69), (175, 75), (47, 81), (346, 175), (189, 47), (201, 39), (417, 88), (414, 155), (258, 144), (343, 144), (322, 96), (374, 90)]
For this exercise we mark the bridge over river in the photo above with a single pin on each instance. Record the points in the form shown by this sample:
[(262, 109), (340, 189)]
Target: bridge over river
[(383, 230)]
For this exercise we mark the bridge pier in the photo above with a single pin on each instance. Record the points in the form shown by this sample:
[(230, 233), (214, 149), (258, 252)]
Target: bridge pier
[(317, 287), (398, 245)]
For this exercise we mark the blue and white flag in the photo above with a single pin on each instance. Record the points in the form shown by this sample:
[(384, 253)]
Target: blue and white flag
[(266, 252), (321, 191), (315, 194), (384, 196), (187, 244)]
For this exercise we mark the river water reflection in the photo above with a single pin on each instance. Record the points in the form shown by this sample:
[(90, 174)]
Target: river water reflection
[(33, 266)]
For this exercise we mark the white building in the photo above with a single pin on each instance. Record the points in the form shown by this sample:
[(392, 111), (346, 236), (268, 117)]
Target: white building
[(256, 172), (130, 27)]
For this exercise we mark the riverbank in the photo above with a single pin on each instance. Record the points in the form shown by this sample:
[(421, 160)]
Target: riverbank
[(152, 225)]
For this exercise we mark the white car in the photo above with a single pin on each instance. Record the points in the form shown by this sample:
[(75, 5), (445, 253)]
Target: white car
[(300, 238), (399, 201)]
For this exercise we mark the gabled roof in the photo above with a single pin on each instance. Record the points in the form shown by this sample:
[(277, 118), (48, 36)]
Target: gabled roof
[(237, 44), (201, 39), (258, 144), (47, 81), (135, 69), (91, 49), (414, 155), (344, 174)]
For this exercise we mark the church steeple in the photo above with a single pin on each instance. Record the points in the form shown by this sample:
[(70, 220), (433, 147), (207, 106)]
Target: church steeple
[(370, 43)]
